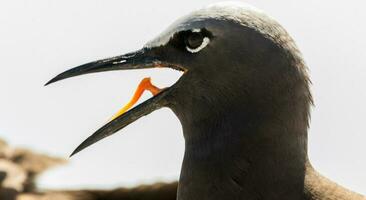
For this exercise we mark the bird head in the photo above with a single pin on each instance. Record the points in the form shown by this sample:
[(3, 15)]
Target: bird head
[(234, 59)]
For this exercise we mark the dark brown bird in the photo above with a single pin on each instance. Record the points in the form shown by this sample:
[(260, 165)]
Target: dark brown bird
[(243, 102)]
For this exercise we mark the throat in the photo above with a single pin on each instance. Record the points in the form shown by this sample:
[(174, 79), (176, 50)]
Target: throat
[(243, 161)]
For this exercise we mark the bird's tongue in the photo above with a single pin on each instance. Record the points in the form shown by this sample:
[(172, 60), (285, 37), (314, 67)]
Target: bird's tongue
[(145, 84)]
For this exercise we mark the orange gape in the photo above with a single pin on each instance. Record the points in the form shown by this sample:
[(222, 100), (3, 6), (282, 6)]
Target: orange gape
[(145, 84)]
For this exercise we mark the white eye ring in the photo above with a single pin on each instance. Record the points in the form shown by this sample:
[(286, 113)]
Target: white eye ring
[(204, 43)]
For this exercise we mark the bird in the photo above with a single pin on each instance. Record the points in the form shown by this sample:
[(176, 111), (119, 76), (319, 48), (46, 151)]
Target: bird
[(243, 101)]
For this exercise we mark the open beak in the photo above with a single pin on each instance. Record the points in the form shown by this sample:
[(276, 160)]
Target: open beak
[(141, 59)]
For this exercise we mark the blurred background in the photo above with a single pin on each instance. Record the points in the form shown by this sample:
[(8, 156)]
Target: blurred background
[(39, 39)]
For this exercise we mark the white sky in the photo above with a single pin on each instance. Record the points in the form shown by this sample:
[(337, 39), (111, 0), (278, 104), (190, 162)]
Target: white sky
[(39, 39)]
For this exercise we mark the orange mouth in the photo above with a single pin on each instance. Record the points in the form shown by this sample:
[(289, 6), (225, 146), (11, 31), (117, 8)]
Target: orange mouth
[(145, 84)]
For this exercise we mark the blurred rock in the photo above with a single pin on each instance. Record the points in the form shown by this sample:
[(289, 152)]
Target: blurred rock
[(159, 191), (13, 176), (20, 167)]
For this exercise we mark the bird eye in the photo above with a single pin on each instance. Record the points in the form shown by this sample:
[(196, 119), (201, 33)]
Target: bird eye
[(195, 42)]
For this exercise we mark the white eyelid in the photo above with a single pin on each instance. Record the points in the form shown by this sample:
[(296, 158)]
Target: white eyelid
[(204, 43)]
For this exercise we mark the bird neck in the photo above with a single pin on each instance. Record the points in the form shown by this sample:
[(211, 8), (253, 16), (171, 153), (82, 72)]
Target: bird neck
[(234, 157)]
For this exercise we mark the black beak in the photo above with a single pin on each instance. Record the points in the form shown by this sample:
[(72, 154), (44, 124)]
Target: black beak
[(127, 118), (136, 60)]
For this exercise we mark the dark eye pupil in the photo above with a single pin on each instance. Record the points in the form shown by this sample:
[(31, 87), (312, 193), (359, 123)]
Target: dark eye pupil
[(194, 40)]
